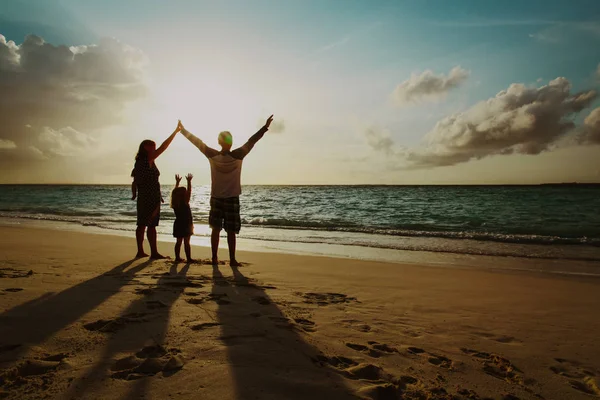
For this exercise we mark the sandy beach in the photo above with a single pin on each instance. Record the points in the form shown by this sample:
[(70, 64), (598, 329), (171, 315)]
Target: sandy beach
[(81, 320)]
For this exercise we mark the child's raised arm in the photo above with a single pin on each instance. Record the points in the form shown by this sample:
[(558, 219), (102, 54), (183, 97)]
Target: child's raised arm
[(189, 178), (177, 180)]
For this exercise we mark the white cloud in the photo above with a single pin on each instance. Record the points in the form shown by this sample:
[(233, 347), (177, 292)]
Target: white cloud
[(7, 145), (590, 132), (65, 141), (520, 119), (53, 99), (428, 86)]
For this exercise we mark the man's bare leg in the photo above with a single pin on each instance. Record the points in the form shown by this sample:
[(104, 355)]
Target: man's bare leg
[(214, 245), (139, 237), (178, 249), (188, 249), (154, 254), (231, 242)]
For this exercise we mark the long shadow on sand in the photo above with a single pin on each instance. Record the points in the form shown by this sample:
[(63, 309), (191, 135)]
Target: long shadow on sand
[(269, 357), (37, 320), (136, 352)]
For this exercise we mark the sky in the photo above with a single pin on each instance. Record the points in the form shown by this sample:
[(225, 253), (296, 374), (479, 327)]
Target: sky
[(362, 92)]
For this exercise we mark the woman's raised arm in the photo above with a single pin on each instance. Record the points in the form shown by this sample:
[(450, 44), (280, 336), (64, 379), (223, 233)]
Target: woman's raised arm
[(167, 142)]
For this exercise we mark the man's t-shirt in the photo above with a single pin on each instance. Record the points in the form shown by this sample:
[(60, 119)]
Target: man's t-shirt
[(225, 167), (225, 173)]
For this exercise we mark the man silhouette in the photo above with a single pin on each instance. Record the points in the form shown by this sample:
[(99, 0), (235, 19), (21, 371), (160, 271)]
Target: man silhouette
[(225, 171)]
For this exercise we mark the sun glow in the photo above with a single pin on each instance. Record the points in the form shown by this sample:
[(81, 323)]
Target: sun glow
[(209, 106)]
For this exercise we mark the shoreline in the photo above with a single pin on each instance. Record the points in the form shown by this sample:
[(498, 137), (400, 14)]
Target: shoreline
[(89, 322), (559, 266)]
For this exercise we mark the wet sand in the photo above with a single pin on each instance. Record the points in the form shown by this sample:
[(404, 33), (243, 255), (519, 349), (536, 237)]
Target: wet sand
[(79, 319)]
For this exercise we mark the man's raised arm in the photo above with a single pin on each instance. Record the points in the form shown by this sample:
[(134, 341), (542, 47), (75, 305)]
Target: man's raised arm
[(207, 151), (245, 149)]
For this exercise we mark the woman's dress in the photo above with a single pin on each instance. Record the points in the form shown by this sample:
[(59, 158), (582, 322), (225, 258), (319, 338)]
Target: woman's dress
[(148, 196)]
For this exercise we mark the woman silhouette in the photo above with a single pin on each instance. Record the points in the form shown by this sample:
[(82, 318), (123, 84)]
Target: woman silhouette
[(145, 175)]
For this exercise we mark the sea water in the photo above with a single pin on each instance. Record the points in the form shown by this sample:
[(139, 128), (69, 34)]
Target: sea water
[(544, 222)]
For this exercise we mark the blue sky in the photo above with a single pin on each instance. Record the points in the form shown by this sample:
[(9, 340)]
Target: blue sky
[(328, 70)]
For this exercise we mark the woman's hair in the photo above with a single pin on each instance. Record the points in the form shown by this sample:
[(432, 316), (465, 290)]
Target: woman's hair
[(142, 153), (178, 197)]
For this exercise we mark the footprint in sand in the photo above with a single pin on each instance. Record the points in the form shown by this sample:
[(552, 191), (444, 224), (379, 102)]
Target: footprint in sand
[(497, 366), (432, 358), (581, 378), (204, 325), (356, 325), (262, 300), (306, 324), (149, 361), (498, 338), (374, 349), (415, 350), (14, 273), (383, 386), (325, 299), (114, 325), (218, 298), (32, 370), (13, 290)]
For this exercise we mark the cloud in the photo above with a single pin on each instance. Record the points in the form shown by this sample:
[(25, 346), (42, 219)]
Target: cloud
[(380, 140), (518, 120), (7, 145), (54, 99), (65, 141), (560, 32), (428, 86), (590, 131)]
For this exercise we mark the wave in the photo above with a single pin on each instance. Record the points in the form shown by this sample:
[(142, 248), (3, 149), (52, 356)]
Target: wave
[(413, 241), (408, 230), (418, 231)]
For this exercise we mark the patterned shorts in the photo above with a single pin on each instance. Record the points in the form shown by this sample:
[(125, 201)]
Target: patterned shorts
[(225, 214)]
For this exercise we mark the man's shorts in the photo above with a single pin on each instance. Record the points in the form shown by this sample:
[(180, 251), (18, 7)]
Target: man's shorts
[(225, 214)]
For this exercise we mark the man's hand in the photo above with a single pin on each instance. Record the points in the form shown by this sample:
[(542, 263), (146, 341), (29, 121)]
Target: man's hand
[(177, 180), (189, 177), (269, 120), (133, 197)]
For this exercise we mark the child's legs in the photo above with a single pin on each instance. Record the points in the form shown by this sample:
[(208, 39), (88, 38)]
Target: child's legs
[(188, 248), (178, 247)]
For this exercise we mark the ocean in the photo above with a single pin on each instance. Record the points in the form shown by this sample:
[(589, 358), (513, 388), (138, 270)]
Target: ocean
[(559, 222)]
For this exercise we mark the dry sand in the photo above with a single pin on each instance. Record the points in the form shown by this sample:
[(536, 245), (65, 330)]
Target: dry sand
[(90, 323)]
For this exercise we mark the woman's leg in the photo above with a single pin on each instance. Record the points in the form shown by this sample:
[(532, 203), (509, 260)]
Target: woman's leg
[(154, 254), (188, 248), (139, 237), (178, 249)]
